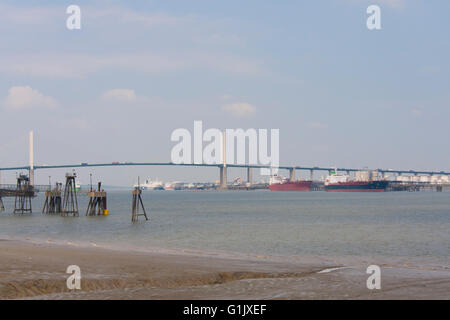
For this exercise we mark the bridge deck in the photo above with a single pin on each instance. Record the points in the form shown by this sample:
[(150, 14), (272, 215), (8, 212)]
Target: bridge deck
[(313, 168)]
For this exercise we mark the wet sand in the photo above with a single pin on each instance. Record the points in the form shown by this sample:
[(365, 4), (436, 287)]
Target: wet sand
[(38, 271)]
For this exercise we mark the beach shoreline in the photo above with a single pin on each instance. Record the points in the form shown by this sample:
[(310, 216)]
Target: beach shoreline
[(31, 270)]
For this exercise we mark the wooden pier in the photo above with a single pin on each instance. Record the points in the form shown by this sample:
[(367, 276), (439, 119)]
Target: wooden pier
[(24, 193), (53, 201), (70, 201), (97, 202)]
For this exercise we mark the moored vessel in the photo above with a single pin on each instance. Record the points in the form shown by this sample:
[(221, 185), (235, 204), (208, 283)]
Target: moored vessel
[(278, 183), (150, 185), (342, 183)]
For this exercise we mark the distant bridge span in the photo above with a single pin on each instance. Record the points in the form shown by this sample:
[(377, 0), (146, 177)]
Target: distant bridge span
[(219, 165), (223, 168)]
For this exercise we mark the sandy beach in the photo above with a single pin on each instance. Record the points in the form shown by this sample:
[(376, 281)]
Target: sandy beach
[(38, 271)]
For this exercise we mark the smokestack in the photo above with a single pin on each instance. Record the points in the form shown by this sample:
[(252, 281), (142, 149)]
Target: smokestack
[(31, 154)]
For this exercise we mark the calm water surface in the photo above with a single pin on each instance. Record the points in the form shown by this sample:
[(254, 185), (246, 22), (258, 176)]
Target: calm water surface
[(258, 222)]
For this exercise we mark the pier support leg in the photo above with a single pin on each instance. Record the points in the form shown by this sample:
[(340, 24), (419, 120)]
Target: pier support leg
[(249, 176), (223, 177), (70, 202), (53, 201), (136, 204), (292, 174)]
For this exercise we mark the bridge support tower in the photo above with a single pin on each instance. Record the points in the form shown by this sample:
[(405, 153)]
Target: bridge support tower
[(249, 176), (292, 174), (223, 177)]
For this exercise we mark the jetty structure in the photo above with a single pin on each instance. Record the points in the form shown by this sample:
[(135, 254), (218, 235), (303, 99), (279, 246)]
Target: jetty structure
[(53, 200), (70, 201), (97, 205), (24, 193), (137, 204)]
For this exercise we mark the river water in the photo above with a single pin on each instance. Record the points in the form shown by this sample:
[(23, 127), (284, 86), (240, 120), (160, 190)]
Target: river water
[(393, 224)]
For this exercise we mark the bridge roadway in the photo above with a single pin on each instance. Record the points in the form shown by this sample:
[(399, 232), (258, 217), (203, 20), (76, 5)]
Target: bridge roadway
[(244, 166)]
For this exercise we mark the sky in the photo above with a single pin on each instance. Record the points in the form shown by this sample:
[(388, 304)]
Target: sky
[(340, 94)]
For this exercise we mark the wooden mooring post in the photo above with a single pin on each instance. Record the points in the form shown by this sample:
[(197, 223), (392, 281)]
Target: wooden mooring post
[(70, 202), (97, 202), (24, 193), (53, 200), (137, 203)]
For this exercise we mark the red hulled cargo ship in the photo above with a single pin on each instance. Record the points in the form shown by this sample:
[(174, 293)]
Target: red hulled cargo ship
[(278, 183)]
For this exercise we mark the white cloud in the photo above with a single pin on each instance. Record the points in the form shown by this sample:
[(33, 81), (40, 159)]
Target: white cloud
[(46, 15), (80, 66), (120, 95), (396, 4), (125, 15), (226, 97), (240, 110), (416, 113), (19, 15), (28, 98), (317, 125)]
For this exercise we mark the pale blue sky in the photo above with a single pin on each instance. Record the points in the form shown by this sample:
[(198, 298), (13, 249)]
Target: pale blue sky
[(340, 94)]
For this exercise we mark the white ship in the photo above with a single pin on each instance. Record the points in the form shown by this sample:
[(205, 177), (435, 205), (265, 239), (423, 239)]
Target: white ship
[(151, 185), (176, 185)]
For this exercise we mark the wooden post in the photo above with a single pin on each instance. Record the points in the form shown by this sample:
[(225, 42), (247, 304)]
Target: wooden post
[(137, 202), (70, 202), (97, 202)]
